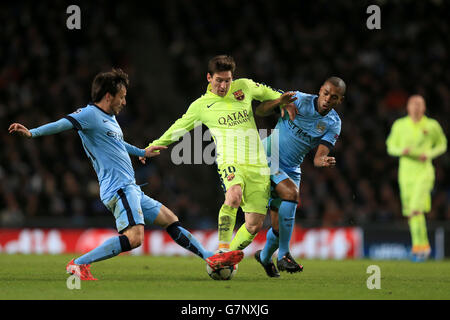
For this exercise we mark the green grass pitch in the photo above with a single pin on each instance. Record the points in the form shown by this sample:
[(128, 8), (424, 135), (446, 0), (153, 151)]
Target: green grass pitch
[(185, 278)]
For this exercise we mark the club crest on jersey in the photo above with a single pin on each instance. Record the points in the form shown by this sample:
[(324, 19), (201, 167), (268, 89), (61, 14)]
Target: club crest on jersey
[(230, 177), (239, 95), (321, 126)]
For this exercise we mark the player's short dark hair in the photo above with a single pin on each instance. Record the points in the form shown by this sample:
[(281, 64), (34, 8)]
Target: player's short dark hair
[(221, 63), (338, 83), (108, 82)]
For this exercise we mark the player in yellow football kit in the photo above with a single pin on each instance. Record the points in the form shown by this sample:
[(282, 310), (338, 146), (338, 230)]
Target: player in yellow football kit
[(417, 140), (226, 109)]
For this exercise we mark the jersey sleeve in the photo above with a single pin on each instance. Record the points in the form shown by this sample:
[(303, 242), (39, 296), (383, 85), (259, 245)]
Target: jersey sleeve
[(51, 128), (186, 123), (393, 144), (134, 150), (261, 92), (82, 119), (439, 141), (330, 137)]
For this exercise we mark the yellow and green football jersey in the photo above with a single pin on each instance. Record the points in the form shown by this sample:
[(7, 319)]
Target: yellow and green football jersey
[(230, 120), (425, 136), (416, 178)]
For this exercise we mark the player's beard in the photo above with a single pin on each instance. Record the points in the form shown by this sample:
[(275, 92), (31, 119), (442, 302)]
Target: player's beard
[(117, 109)]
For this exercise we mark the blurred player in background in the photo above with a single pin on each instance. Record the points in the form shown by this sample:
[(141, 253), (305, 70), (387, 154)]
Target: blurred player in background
[(103, 142), (316, 124), (417, 140), (226, 109)]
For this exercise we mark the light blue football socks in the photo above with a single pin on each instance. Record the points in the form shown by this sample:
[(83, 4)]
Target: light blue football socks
[(270, 247), (185, 239), (286, 219), (280, 240), (115, 245), (108, 249)]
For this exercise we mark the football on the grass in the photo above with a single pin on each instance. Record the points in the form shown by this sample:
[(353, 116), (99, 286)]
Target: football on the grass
[(225, 273)]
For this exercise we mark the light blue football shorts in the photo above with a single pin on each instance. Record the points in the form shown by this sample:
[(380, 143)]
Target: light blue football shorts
[(131, 207)]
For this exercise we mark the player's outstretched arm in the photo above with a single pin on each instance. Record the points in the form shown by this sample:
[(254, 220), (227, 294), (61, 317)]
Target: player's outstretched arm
[(284, 101), (321, 159), (45, 130), (180, 127)]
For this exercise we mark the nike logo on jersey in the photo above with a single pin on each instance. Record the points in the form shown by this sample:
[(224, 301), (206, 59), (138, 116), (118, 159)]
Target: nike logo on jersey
[(208, 106), (105, 121)]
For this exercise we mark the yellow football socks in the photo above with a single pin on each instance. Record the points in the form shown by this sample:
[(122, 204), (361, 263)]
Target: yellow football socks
[(418, 230), (242, 239), (227, 220)]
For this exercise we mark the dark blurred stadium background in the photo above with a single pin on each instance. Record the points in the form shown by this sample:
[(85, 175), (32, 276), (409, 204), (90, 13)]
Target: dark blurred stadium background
[(46, 72)]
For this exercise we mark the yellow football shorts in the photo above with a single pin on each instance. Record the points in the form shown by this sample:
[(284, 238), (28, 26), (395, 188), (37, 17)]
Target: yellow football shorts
[(255, 184), (416, 195)]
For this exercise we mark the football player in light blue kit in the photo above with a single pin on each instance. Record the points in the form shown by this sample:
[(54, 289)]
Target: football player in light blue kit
[(103, 142), (316, 124)]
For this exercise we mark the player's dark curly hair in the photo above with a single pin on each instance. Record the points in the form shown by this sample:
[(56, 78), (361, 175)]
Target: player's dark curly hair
[(221, 63), (105, 82)]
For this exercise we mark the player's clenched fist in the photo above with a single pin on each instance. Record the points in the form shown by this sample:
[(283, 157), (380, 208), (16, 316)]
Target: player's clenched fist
[(19, 129)]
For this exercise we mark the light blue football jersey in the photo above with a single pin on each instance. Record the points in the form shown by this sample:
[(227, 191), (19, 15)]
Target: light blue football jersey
[(306, 132), (103, 142)]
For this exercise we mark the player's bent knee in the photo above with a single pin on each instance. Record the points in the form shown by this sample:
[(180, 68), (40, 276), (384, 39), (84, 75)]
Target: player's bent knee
[(165, 217), (135, 236), (234, 199), (254, 228), (235, 202), (291, 194), (135, 243), (254, 222)]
